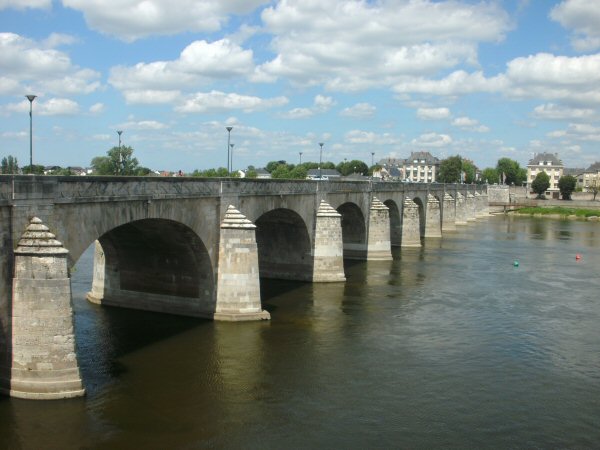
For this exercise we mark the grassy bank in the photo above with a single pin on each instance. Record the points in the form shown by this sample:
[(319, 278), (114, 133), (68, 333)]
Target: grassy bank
[(559, 211)]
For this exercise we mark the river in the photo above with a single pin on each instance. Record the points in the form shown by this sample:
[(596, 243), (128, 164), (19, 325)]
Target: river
[(448, 346)]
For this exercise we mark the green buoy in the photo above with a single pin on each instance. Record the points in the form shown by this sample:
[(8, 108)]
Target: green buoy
[(516, 263)]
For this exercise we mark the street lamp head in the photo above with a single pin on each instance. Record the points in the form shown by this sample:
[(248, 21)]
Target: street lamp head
[(321, 144), (229, 128), (119, 132), (31, 97)]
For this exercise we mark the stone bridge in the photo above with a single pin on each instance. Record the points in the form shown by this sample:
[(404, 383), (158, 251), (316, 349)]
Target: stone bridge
[(195, 247)]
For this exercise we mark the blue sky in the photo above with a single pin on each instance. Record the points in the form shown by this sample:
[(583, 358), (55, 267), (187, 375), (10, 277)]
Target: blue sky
[(481, 79)]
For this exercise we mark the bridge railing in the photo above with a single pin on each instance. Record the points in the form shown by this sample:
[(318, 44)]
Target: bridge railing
[(99, 188)]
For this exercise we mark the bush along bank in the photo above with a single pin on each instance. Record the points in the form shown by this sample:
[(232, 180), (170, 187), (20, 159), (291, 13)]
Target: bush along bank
[(558, 212)]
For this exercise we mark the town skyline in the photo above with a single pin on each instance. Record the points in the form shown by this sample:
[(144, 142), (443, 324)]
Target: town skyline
[(484, 80)]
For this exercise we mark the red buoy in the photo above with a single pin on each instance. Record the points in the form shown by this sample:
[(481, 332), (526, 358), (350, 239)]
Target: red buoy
[(577, 256)]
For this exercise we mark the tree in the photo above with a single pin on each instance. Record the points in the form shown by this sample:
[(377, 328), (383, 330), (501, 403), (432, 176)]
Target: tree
[(118, 161), (540, 184), (594, 187), (36, 169), (469, 170), (299, 173), (566, 186), (272, 165), (450, 170), (490, 175), (282, 171), (251, 173), (513, 173), (10, 165)]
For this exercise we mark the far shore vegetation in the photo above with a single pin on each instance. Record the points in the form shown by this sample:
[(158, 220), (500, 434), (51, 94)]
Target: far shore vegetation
[(560, 211)]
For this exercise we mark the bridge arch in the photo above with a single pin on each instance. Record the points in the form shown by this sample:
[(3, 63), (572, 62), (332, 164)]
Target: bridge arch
[(284, 246), (155, 265), (354, 231), (395, 222), (422, 218)]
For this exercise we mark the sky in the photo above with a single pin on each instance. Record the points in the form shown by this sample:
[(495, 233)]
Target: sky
[(481, 79)]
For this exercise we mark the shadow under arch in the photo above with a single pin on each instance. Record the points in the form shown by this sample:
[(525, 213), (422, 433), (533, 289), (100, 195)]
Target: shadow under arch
[(284, 247), (155, 265), (395, 223), (419, 203), (354, 231)]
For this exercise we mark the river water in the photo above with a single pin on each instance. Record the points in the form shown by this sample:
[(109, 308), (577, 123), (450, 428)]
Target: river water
[(447, 346)]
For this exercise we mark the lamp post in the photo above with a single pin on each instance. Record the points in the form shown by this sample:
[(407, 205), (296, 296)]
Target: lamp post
[(321, 144), (372, 166), (300, 153), (31, 98), (119, 169), (231, 145), (228, 145)]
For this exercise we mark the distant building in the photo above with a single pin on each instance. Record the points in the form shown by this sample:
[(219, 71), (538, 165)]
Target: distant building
[(263, 174), (549, 163), (590, 176), (419, 167), (313, 174)]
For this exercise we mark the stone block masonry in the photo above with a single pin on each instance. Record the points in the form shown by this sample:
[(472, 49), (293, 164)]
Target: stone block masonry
[(238, 283), (44, 361), (328, 247)]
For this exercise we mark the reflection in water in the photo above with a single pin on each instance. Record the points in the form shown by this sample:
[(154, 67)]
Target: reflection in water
[(449, 345)]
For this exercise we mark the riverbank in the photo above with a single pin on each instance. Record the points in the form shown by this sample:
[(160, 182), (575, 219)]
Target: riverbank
[(558, 212)]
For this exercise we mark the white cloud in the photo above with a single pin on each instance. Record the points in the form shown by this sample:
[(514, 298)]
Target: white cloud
[(15, 134), (97, 108), (200, 63), (321, 104), (150, 97), (457, 83), (23, 4), (578, 132), (583, 17), (354, 45), (58, 39), (50, 107), (221, 101), (360, 110), (143, 125), (551, 111), (432, 140), (468, 124), (433, 113), (130, 20), (27, 65), (545, 76), (360, 137)]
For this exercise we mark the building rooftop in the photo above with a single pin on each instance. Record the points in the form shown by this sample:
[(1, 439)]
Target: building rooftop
[(543, 158)]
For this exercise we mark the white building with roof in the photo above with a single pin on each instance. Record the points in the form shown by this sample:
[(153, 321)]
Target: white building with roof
[(549, 163)]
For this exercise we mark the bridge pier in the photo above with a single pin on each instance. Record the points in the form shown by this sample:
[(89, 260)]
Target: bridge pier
[(433, 225), (379, 246), (470, 207), (43, 358), (449, 213), (328, 249), (411, 228), (461, 209), (238, 282)]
